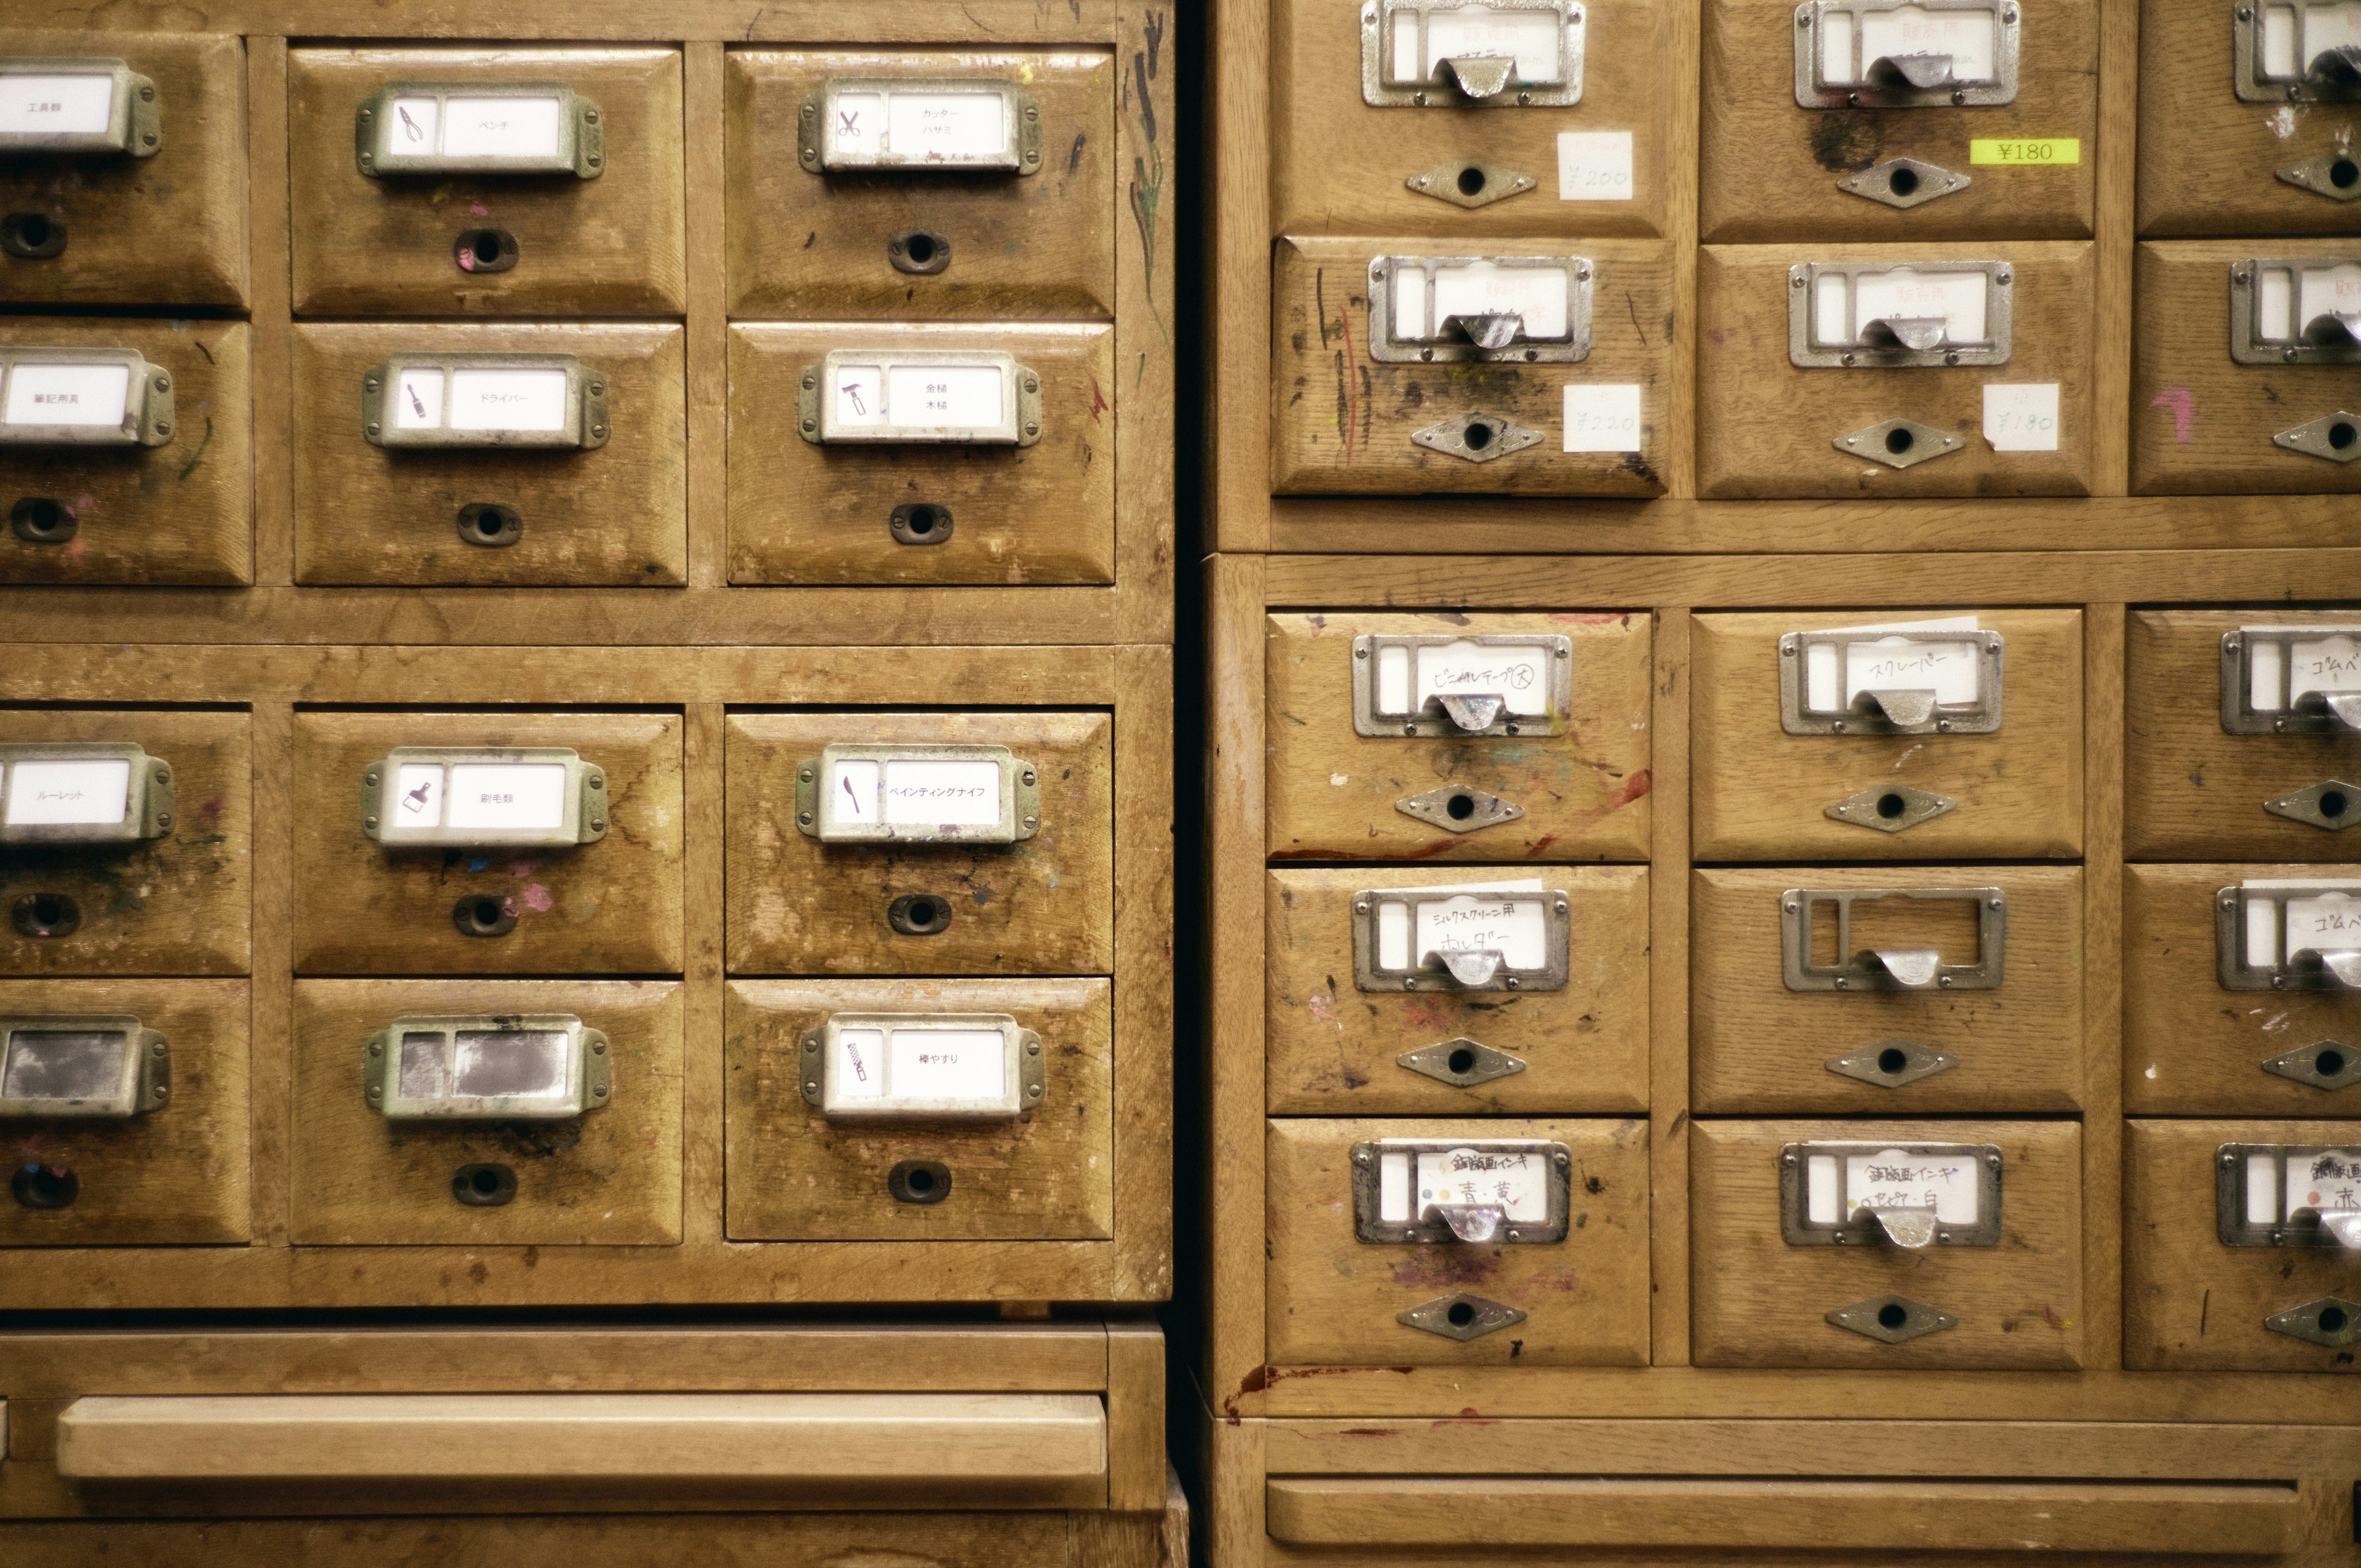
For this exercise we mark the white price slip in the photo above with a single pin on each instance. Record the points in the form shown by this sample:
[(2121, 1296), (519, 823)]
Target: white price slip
[(1517, 673), (1602, 419), (2022, 418), (1594, 166)]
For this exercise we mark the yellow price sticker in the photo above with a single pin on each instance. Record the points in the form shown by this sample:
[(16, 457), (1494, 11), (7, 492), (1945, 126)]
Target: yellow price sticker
[(2049, 150)]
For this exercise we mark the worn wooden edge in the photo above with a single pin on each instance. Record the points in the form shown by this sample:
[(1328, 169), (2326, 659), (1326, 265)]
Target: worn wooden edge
[(1135, 1377), (1670, 688), (270, 1070), (1149, 150), (2112, 258), (704, 1043), (269, 288), (2104, 714), (1144, 985), (1237, 226), (1681, 29), (707, 345), (999, 22)]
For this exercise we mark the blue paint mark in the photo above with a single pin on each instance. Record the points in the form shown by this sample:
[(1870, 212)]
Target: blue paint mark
[(477, 862)]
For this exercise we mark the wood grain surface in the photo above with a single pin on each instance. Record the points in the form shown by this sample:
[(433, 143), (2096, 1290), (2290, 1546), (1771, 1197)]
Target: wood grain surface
[(812, 245), (1042, 905), (176, 905)]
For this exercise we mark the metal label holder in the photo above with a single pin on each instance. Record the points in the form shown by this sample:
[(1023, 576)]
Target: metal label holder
[(2309, 967), (818, 123), (1469, 1220), (2331, 76), (1890, 969), (1902, 82), (2332, 337), (378, 130), (2314, 713), (1472, 79), (582, 794), (1023, 1080), (587, 1075), (135, 123), (1861, 1223), (1898, 709), (1461, 716), (1896, 343), (147, 399), (584, 424), (148, 804), (1020, 401), (1481, 970), (1496, 337), (2333, 1173), (143, 1083), (1020, 796)]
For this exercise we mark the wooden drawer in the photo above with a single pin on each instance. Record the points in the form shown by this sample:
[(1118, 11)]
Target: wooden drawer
[(1334, 1301), (178, 513), (1336, 1048), (921, 512), (612, 907), (1343, 422), (1760, 793), (171, 1175), (608, 1177), (1758, 1048), (1758, 1301), (1771, 168), (1581, 794), (1766, 426), (820, 244), (796, 1175), (167, 228), (1043, 905), (2192, 788), (173, 904), (2201, 423), (413, 244), (612, 514)]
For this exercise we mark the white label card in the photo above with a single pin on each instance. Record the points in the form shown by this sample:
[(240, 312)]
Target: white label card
[(920, 396), (93, 794), (1408, 677), (2022, 418), (1970, 38), (1535, 295), (1532, 37), (1602, 419), (1892, 1178), (1594, 166), (2294, 35), (512, 1064), (1465, 919), (506, 794), (922, 1064), (1900, 293), (508, 400), (1952, 670), (56, 106), (2322, 1180), (941, 793), (88, 395), (501, 127), (417, 126), (1514, 1179), (947, 126)]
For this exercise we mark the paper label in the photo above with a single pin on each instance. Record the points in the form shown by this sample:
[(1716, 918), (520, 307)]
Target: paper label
[(418, 401), (88, 395), (2329, 923), (63, 1064), (1409, 676), (1515, 1180), (1968, 37), (56, 106), (1904, 293), (508, 400), (1884, 662), (1602, 419), (514, 1064), (1594, 166), (1891, 1179), (2294, 35), (1532, 36), (506, 794), (920, 396), (1517, 929), (947, 127), (2022, 418), (417, 126), (2325, 665), (2058, 152), (1537, 295), (941, 792), (501, 128), (2323, 1178), (950, 1064), (93, 794)]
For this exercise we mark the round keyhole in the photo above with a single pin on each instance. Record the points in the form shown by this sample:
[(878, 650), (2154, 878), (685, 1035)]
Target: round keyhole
[(1891, 805), (489, 525), (46, 915), (32, 236), (920, 522), (1899, 440), (1471, 180), (2342, 173), (1462, 1062), (1460, 1315), (1890, 1061), (485, 250), (38, 519), (919, 1181), (2341, 435), (2329, 1064), (921, 248), (483, 1186), (2332, 1320), (1903, 182), (1479, 436), (1893, 1315), (919, 914), (480, 915), (1460, 807), (2333, 803), (45, 1186)]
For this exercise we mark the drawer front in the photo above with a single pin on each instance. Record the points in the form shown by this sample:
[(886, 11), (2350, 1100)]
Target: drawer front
[(1337, 1048), (1043, 905), (1042, 1175), (2209, 162), (164, 228), (833, 245), (1760, 793), (176, 903), (2191, 787), (1758, 1048), (613, 514), (608, 1177), (1334, 1301), (175, 1175), (612, 907), (1337, 793), (2190, 1046), (1343, 422), (1344, 166), (1766, 427), (1772, 170), (181, 513), (922, 511), (2203, 424), (1758, 1301), (416, 244)]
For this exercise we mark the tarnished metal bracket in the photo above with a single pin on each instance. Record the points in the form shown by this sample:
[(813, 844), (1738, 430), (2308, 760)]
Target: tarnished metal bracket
[(1877, 54), (1894, 808), (1904, 184), (83, 396), (1890, 969), (1892, 1320), (1900, 686), (509, 1067), (1898, 443), (2326, 1064), (2306, 1195), (1477, 437), (956, 397), (1482, 683), (2276, 59), (2296, 310), (2291, 680), (1460, 939), (1875, 1194), (77, 106), (2330, 1321), (1471, 53), (1471, 183), (2336, 175), (954, 125), (1462, 1063), (2292, 935), (502, 401), (478, 128), (2335, 436), (2330, 804), (474, 797), (81, 1067), (1887, 315), (82, 792), (1470, 310), (1457, 809), (1461, 1317), (1890, 1064), (868, 792), (923, 1067), (1495, 1191)]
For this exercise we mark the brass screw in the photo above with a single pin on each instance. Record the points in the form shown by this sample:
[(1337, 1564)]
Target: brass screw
[(164, 819)]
